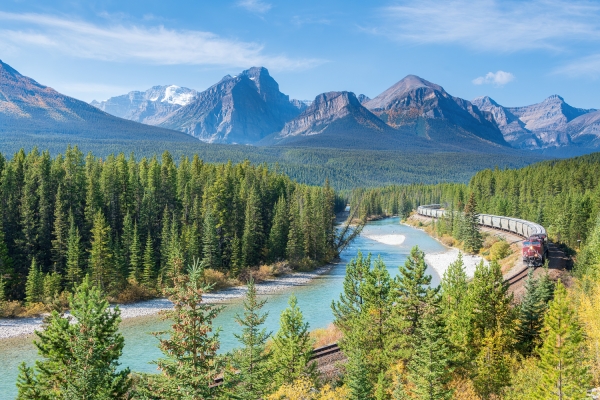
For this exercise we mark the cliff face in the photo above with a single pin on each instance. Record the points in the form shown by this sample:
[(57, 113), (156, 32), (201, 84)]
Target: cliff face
[(550, 124), (415, 102), (328, 108), (241, 109)]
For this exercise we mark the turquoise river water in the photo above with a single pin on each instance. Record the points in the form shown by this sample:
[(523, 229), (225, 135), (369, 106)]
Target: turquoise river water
[(314, 298)]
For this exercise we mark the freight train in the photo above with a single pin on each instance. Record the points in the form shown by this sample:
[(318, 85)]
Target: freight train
[(535, 245)]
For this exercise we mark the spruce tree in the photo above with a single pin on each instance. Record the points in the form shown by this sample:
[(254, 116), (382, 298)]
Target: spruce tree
[(60, 232), (6, 265), (34, 287), (295, 245), (190, 347), (252, 238), (148, 279), (412, 290), (252, 376), (428, 369), (135, 258), (79, 354), (210, 248), (357, 377), (74, 258), (470, 226), (457, 312), (491, 301), (279, 231), (563, 360), (101, 257), (364, 314), (292, 347), (530, 319)]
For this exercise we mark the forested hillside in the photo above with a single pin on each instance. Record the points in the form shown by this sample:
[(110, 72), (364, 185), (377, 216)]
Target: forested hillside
[(126, 222), (563, 196), (345, 168)]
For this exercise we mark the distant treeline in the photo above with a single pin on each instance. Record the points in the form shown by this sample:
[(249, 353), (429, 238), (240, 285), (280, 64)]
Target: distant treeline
[(132, 222), (563, 196), (345, 168)]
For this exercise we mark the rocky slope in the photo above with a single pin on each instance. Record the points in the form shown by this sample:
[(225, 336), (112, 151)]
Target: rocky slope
[(241, 109), (550, 124), (150, 107), (334, 119), (428, 110), (29, 108)]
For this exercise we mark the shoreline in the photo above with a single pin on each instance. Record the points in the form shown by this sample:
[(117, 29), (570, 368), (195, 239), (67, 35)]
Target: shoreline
[(442, 260), (11, 328)]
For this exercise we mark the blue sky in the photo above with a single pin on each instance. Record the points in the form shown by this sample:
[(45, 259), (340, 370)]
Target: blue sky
[(516, 52)]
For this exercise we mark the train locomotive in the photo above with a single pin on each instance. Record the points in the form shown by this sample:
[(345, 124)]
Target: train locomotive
[(535, 250)]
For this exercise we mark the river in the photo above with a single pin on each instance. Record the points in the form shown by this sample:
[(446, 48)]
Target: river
[(387, 238)]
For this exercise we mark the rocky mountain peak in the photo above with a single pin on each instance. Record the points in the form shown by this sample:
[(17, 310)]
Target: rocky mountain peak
[(484, 102), (411, 86)]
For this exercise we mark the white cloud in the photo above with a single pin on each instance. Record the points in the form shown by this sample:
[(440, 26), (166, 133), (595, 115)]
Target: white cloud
[(126, 43), (493, 25), (255, 6), (497, 79), (587, 66)]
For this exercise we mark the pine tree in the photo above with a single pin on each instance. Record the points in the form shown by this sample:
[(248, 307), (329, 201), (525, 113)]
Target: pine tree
[(79, 359), (51, 283), (236, 255), (74, 259), (531, 314), (493, 365), (252, 238), (190, 347), (5, 262), (428, 369), (565, 371), (491, 301), (457, 312), (294, 247), (470, 226), (148, 279), (412, 290), (279, 231), (101, 257), (135, 261), (210, 249), (292, 347), (252, 376), (59, 243), (357, 377), (364, 314), (34, 288)]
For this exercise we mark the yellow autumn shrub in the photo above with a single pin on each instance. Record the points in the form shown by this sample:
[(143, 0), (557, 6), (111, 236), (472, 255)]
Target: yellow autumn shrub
[(303, 389)]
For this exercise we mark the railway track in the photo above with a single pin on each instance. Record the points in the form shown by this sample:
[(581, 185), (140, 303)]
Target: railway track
[(318, 353)]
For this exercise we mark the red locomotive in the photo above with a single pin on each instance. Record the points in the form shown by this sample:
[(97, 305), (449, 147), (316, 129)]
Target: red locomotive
[(535, 250)]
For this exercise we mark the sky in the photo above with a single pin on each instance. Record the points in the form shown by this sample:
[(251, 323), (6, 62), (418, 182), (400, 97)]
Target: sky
[(517, 52)]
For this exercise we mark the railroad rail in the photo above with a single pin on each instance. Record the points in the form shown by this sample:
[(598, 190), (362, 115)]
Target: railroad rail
[(519, 227), (318, 353)]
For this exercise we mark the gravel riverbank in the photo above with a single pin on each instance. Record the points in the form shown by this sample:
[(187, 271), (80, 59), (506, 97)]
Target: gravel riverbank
[(13, 327)]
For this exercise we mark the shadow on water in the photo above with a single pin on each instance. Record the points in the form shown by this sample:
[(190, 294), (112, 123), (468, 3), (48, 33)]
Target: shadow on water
[(314, 299)]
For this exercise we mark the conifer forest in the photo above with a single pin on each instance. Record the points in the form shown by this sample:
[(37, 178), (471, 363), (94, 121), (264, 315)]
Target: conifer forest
[(83, 230)]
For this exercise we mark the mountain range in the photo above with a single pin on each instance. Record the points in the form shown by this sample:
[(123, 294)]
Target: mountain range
[(29, 108), (250, 109), (551, 124)]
